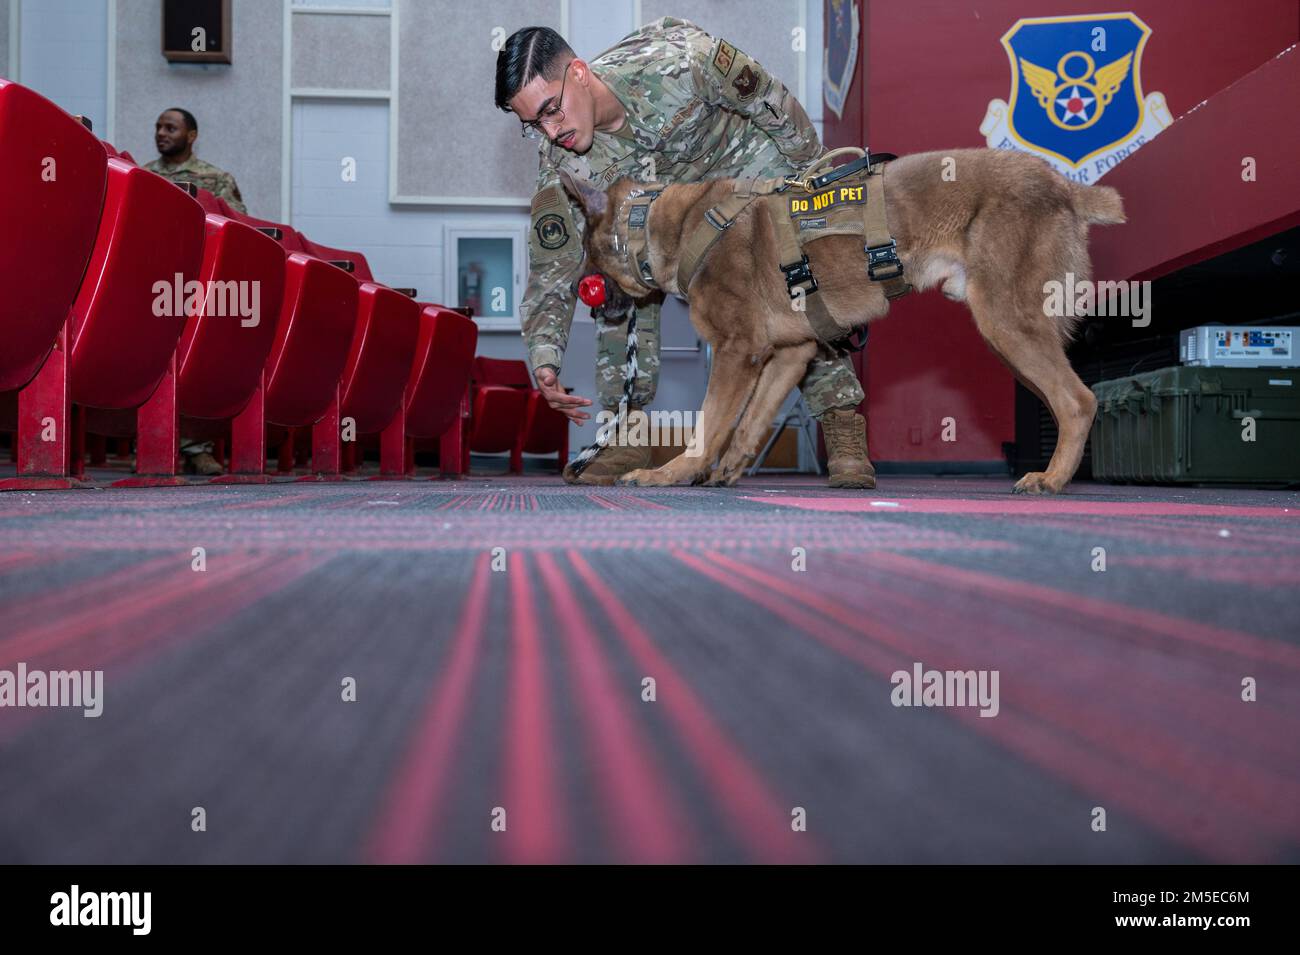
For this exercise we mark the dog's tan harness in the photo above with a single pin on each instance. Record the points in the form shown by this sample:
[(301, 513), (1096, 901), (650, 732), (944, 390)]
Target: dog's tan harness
[(848, 200)]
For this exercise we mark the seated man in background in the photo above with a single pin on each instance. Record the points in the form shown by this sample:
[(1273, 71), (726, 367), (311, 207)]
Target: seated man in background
[(174, 135)]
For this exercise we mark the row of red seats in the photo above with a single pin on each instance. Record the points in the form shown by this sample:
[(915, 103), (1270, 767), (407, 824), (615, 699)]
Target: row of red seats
[(95, 334), (509, 414)]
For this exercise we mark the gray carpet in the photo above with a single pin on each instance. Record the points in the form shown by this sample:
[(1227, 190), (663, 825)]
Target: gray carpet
[(513, 698)]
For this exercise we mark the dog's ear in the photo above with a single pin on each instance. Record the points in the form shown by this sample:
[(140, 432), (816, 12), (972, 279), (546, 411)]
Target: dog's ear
[(593, 201)]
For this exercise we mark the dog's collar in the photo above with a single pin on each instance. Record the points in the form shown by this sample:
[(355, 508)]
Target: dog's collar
[(637, 222)]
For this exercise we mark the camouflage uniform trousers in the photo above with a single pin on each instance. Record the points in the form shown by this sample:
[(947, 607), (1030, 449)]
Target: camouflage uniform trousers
[(830, 382)]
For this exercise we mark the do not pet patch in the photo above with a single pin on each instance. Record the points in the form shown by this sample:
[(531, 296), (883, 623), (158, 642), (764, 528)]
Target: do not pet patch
[(827, 199)]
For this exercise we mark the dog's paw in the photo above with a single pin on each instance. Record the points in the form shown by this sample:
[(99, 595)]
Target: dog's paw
[(722, 477), (1035, 482), (646, 477)]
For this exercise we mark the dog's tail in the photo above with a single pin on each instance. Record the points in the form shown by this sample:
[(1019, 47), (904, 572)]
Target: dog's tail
[(1099, 205)]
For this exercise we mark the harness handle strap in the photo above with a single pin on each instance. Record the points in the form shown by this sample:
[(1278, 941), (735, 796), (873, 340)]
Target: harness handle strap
[(804, 182)]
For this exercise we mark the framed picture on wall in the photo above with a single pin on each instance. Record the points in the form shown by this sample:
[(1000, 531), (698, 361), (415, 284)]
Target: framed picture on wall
[(484, 268), (196, 31)]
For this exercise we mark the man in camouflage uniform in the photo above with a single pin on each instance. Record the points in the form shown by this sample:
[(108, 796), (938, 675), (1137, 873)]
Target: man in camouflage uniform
[(174, 135), (668, 103)]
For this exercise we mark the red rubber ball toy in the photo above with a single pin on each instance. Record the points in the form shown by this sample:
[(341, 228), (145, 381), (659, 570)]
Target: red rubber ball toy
[(592, 290)]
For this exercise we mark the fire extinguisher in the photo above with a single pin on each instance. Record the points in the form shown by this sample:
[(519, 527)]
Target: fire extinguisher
[(471, 286)]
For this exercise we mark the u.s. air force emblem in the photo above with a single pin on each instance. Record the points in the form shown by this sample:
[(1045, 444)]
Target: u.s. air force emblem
[(1076, 93)]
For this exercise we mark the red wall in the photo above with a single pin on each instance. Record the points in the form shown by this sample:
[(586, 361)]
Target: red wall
[(926, 72), (1164, 231)]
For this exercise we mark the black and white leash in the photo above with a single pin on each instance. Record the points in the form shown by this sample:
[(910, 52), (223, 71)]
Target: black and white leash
[(630, 368)]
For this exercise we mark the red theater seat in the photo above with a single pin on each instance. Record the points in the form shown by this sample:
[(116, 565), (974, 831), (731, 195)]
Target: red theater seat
[(358, 266), (545, 431), (221, 354), (317, 322), (289, 238), (355, 264), (214, 206), (509, 414), (120, 338), (436, 396), (379, 361), (499, 399), (220, 357), (314, 321), (53, 170)]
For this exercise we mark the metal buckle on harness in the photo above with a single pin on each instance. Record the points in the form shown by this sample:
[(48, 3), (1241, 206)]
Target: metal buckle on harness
[(881, 258), (717, 221), (797, 274)]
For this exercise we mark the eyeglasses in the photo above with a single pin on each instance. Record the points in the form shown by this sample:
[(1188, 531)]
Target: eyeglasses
[(552, 115)]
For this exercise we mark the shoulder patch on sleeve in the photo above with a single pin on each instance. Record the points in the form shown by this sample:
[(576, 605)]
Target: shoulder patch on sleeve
[(746, 82), (550, 198), (724, 57), (552, 233), (552, 225), (741, 77)]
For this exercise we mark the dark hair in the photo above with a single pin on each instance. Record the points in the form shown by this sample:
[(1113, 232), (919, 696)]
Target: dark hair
[(529, 53), (191, 123)]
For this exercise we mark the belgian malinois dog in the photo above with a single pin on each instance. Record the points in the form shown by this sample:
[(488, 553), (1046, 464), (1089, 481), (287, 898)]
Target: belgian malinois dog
[(992, 236)]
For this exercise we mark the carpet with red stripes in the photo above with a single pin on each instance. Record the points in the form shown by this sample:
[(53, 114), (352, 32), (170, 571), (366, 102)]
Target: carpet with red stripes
[(515, 670)]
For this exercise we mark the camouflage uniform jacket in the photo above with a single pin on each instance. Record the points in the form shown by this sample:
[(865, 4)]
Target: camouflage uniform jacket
[(697, 108), (204, 175)]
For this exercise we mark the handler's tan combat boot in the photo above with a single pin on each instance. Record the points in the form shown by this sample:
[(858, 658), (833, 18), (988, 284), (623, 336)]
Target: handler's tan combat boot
[(846, 450), (611, 462)]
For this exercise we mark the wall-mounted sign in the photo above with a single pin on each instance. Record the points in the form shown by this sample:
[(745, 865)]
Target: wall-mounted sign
[(1076, 93), (196, 31), (841, 54)]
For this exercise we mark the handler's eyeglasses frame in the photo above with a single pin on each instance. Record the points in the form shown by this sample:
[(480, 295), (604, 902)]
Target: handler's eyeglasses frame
[(553, 114)]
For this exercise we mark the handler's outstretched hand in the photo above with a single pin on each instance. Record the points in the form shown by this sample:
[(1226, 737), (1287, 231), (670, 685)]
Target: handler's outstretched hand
[(568, 405)]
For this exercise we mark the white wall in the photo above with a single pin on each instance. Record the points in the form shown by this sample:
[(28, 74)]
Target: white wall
[(4, 38), (238, 106), (404, 244), (63, 54), (404, 249)]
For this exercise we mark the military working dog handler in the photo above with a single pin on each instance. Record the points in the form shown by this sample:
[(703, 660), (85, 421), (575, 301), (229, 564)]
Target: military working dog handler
[(667, 103)]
